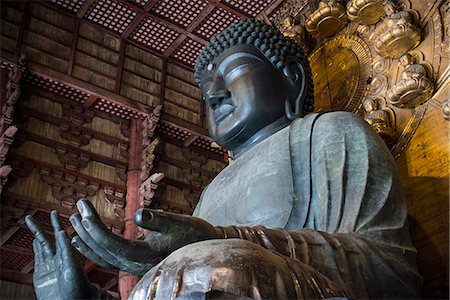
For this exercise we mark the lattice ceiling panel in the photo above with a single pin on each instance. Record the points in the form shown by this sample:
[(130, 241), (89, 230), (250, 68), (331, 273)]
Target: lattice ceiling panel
[(180, 12), (249, 7), (187, 52), (140, 2), (70, 5), (117, 110), (111, 14), (174, 132), (155, 35), (22, 238), (15, 261), (55, 87), (215, 22)]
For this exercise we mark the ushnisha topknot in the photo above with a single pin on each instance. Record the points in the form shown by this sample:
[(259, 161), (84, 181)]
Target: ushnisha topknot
[(275, 46)]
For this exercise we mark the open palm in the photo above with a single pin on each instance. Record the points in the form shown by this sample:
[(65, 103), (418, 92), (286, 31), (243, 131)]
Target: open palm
[(57, 272)]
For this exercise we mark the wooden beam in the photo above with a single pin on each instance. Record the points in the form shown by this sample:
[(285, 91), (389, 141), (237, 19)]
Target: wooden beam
[(178, 41), (80, 85), (22, 28), (200, 17), (120, 67), (17, 277), (184, 165), (38, 204), (133, 25), (162, 93), (110, 284), (185, 125), (172, 26), (73, 48), (28, 267), (90, 101), (7, 235), (180, 185), (84, 8), (190, 140), (112, 140), (40, 165), (205, 152), (28, 136)]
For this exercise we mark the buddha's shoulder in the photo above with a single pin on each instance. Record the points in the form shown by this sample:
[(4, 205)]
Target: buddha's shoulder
[(333, 119), (332, 125)]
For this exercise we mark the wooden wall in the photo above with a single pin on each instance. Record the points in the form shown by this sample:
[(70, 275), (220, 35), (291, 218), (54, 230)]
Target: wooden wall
[(424, 171)]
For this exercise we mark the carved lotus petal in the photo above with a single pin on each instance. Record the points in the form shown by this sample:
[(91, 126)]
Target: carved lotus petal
[(410, 92), (327, 20), (396, 41), (365, 12)]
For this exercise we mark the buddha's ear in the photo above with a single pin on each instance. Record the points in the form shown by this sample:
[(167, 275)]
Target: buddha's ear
[(296, 85)]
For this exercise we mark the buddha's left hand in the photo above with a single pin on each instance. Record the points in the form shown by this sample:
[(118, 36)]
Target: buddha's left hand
[(170, 232)]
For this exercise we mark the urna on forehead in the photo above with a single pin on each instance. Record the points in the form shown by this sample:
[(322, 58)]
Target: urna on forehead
[(269, 40)]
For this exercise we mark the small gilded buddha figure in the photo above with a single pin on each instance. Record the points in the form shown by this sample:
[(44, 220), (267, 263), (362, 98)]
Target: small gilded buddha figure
[(414, 87), (400, 34), (296, 32), (379, 119), (310, 208)]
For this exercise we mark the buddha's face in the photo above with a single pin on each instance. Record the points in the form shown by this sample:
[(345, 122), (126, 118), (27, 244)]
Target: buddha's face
[(244, 92)]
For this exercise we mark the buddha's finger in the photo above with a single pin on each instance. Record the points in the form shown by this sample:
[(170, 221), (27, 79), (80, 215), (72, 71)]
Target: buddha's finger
[(86, 209), (40, 235), (37, 249), (56, 223), (163, 222), (64, 248), (78, 243), (89, 242), (132, 250)]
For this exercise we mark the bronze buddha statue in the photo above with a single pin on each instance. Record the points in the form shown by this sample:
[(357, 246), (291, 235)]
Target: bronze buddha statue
[(310, 208)]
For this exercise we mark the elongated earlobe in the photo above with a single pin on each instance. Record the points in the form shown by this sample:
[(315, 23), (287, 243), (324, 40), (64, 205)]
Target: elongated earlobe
[(297, 88)]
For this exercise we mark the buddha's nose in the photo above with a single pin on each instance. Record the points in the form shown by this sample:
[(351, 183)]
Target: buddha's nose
[(217, 93)]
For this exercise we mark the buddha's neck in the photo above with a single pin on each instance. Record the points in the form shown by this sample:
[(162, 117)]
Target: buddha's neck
[(259, 136)]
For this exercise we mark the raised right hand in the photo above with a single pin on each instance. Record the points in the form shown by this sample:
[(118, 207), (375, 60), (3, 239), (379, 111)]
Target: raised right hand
[(57, 272)]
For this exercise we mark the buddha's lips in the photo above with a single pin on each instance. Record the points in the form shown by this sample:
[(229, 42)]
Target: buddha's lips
[(222, 112)]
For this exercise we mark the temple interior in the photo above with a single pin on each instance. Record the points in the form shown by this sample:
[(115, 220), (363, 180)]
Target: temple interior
[(93, 91)]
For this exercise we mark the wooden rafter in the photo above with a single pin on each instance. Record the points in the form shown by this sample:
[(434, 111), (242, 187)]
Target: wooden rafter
[(84, 8), (73, 48), (90, 101)]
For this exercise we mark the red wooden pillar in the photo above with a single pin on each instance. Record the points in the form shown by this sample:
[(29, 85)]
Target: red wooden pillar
[(126, 280)]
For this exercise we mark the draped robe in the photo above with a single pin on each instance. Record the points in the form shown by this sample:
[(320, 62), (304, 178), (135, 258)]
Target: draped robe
[(318, 206)]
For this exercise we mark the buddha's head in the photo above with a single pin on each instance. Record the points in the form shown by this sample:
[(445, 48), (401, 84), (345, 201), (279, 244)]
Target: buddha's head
[(252, 77)]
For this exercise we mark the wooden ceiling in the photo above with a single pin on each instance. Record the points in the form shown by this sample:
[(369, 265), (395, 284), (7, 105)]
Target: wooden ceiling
[(176, 29)]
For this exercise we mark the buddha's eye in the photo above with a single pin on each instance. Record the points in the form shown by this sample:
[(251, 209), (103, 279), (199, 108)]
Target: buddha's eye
[(236, 71)]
